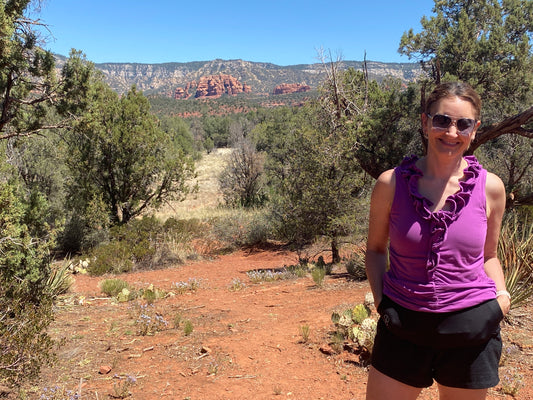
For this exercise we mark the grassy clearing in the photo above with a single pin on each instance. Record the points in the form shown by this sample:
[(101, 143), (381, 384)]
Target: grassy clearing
[(204, 203)]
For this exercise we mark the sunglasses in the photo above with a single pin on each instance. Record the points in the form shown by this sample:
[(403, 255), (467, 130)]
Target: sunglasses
[(464, 126)]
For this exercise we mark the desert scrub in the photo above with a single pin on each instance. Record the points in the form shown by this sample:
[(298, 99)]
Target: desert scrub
[(305, 332), (144, 244), (236, 285), (515, 251), (192, 285), (241, 227), (187, 328), (58, 393), (355, 264), (269, 275), (318, 275), (511, 381), (112, 287), (356, 324), (121, 390), (151, 294), (147, 320), (60, 279)]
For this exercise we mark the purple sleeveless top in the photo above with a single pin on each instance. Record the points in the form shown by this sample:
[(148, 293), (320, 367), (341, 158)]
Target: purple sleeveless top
[(436, 258)]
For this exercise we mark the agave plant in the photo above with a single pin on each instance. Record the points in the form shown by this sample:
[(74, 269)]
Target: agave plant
[(60, 279), (515, 251)]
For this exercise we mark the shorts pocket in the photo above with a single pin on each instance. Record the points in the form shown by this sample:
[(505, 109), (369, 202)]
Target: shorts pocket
[(474, 325)]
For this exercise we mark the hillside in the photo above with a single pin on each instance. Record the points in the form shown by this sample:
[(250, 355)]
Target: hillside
[(262, 78)]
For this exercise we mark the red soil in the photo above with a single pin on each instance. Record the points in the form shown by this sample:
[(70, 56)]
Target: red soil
[(245, 344)]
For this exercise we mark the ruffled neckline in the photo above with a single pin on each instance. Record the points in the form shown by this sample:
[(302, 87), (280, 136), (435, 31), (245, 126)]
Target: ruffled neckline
[(439, 221), (457, 201)]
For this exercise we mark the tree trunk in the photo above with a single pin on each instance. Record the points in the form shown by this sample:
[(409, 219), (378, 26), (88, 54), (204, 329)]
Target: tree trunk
[(335, 256)]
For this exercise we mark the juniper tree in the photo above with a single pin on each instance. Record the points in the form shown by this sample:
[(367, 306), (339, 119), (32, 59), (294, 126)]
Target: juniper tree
[(488, 44)]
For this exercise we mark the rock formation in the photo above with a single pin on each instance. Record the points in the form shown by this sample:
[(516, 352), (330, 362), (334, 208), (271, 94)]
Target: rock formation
[(285, 88), (212, 86)]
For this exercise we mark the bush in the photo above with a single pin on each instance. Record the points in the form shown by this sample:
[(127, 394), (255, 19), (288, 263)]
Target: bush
[(242, 228), (145, 243), (112, 287), (355, 264), (25, 297)]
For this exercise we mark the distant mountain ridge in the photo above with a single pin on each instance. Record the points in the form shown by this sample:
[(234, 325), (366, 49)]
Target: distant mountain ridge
[(262, 78)]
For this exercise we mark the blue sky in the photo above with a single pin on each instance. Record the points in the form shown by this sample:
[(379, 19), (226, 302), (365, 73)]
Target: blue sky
[(282, 32)]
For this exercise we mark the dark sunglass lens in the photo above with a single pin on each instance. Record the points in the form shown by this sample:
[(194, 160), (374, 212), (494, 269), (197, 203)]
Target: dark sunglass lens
[(465, 124), (441, 121)]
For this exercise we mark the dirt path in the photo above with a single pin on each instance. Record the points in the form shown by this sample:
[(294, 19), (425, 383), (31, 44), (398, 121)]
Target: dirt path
[(245, 344)]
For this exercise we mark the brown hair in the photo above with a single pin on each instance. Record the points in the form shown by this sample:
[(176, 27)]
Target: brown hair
[(455, 89)]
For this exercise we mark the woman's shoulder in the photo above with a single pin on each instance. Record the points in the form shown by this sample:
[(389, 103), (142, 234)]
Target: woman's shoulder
[(384, 187), (386, 180), (494, 187), (495, 192)]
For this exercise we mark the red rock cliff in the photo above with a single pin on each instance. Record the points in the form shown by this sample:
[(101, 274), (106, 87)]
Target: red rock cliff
[(285, 88), (213, 86)]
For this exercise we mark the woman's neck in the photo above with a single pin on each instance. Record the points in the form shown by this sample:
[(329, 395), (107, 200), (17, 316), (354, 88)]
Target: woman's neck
[(442, 168)]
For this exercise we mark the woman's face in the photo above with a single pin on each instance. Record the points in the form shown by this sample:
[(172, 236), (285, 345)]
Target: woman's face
[(450, 126)]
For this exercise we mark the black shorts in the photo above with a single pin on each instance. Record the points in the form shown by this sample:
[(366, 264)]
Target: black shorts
[(458, 349)]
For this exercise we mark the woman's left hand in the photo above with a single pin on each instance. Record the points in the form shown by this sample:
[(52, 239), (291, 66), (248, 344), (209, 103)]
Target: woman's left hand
[(505, 304)]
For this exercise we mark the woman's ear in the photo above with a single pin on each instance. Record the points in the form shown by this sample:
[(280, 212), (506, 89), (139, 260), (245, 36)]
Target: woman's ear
[(424, 118), (474, 131)]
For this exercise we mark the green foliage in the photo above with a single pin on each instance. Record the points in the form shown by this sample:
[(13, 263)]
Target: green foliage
[(515, 251), (356, 325), (145, 243), (314, 178), (60, 279), (487, 44), (318, 274), (113, 257), (241, 181), (25, 297), (113, 287), (118, 153), (24, 345), (24, 103)]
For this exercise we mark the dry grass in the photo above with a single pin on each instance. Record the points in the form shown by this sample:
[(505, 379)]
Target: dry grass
[(204, 203)]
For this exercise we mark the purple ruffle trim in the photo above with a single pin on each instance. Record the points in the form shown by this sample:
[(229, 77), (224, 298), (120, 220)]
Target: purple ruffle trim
[(441, 219)]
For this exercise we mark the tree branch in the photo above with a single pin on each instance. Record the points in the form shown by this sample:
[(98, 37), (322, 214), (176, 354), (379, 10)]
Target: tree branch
[(510, 125)]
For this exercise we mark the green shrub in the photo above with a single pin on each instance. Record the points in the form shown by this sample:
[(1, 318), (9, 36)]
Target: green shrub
[(356, 325), (145, 244), (112, 287), (113, 257), (187, 328), (318, 275), (241, 227), (25, 298), (60, 279)]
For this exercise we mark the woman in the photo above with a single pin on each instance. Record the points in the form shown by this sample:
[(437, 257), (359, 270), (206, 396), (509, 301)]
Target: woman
[(436, 220)]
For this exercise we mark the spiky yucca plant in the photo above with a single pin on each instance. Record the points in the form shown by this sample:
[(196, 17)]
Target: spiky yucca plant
[(515, 251)]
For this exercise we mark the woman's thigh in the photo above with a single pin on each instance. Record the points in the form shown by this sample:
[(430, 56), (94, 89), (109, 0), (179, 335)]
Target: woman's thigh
[(450, 393), (381, 386)]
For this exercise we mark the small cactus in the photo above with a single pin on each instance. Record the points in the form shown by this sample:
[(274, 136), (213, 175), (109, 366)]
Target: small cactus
[(360, 312)]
